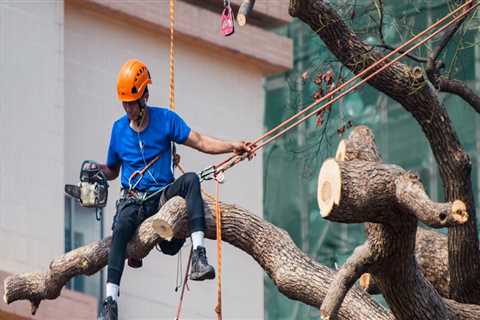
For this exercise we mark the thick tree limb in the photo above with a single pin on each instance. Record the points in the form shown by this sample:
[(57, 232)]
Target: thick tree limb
[(432, 257), (300, 278), (411, 197), (421, 100), (364, 191), (295, 274), (389, 253), (430, 246)]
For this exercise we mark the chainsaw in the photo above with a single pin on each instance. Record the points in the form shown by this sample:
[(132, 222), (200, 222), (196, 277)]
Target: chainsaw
[(92, 191)]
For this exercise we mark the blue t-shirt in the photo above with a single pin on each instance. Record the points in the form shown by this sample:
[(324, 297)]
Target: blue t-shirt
[(126, 146)]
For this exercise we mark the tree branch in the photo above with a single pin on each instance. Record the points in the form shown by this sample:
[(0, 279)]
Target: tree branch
[(442, 83), (430, 246), (409, 55), (411, 197), (362, 191), (295, 274), (421, 100), (460, 89)]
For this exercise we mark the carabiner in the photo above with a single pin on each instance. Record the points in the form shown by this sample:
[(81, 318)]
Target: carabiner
[(219, 177), (207, 173), (132, 176)]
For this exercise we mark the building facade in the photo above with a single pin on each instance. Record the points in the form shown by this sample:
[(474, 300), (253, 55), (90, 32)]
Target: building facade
[(58, 104)]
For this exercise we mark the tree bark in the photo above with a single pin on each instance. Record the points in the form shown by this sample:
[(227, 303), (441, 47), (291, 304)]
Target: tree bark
[(430, 246), (389, 251), (364, 191), (295, 274), (418, 98)]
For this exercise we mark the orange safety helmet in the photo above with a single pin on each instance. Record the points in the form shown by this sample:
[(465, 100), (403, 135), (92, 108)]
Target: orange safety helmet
[(132, 80)]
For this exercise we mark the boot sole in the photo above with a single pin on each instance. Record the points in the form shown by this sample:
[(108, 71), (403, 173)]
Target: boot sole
[(201, 277)]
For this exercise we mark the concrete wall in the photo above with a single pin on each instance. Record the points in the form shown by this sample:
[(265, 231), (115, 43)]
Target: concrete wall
[(31, 134), (215, 95), (32, 151)]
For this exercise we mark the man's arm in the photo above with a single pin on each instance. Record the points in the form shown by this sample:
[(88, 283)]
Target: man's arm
[(110, 173), (211, 145)]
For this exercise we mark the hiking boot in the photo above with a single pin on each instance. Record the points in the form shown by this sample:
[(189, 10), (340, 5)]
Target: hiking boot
[(110, 309), (201, 270)]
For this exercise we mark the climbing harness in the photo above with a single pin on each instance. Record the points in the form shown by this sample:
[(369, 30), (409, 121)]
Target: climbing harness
[(227, 25)]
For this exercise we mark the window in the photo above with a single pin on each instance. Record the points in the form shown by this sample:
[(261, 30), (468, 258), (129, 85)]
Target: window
[(82, 228)]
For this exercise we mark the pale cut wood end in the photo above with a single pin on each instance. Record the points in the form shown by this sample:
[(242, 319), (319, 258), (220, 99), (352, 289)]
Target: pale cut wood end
[(459, 211), (241, 19), (163, 229), (365, 281), (341, 150), (329, 187)]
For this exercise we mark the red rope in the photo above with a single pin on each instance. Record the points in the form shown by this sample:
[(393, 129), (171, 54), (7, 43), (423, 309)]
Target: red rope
[(179, 307), (233, 160)]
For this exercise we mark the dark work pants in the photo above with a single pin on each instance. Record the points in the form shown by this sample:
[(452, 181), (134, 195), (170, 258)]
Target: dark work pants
[(131, 213)]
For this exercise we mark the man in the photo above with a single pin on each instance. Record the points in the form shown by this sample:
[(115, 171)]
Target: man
[(142, 139)]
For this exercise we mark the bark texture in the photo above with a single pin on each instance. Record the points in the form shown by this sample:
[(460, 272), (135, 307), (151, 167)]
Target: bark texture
[(420, 99), (295, 274), (430, 246), (389, 253)]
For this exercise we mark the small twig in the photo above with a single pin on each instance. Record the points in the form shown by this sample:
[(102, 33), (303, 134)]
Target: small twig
[(460, 89), (410, 55)]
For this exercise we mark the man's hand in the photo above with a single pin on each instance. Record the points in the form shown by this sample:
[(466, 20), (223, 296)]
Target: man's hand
[(241, 147), (110, 173)]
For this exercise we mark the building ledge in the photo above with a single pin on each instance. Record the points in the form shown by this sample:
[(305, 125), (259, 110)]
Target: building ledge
[(69, 305), (265, 14), (270, 52)]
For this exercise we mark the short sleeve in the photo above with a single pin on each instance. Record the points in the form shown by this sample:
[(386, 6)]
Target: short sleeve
[(112, 156), (179, 130)]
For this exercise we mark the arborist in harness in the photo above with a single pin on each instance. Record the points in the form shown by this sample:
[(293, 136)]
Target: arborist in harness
[(140, 145)]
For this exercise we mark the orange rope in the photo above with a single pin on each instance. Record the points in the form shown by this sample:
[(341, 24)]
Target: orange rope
[(218, 218), (172, 55)]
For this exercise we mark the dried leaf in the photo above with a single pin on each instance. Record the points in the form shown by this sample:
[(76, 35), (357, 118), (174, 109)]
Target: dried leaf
[(328, 76)]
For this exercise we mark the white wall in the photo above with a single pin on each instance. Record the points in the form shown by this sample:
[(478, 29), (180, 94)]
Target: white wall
[(31, 134), (216, 96)]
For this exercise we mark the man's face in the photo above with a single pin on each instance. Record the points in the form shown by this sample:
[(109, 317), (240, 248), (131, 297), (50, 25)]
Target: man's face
[(132, 109)]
